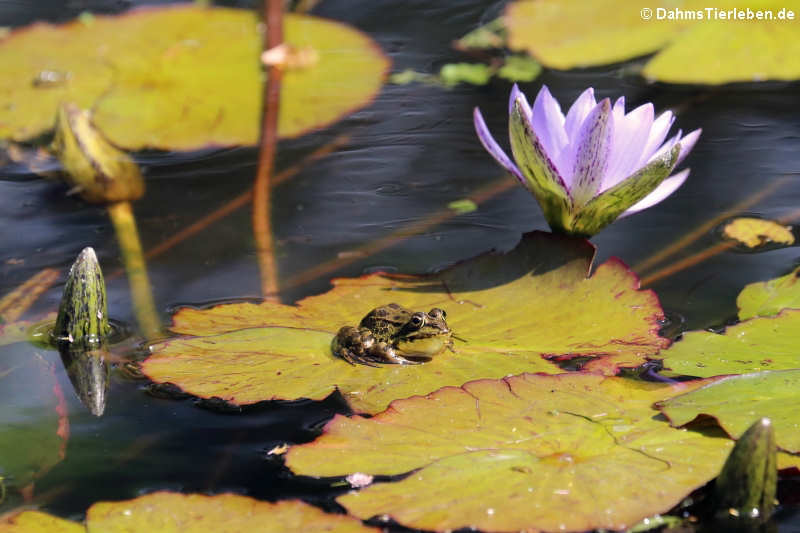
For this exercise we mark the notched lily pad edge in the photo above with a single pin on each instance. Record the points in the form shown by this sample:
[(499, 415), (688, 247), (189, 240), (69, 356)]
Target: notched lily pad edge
[(702, 417)]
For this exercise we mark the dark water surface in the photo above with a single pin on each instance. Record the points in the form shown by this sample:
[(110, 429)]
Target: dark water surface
[(411, 153)]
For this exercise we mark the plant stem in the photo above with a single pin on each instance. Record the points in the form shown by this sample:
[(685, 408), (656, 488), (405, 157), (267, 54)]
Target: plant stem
[(262, 203), (144, 308)]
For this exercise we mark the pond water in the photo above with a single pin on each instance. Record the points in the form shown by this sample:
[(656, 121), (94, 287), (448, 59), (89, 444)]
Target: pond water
[(409, 154)]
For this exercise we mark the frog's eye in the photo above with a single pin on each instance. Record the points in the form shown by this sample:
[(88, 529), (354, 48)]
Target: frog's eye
[(417, 320), (438, 313)]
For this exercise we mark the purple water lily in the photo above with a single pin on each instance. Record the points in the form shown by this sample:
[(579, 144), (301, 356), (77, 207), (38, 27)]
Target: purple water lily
[(594, 165)]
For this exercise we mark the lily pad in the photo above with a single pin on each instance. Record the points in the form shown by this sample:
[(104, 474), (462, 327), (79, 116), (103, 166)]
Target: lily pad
[(571, 452), (163, 512), (697, 47), (762, 341), (180, 77), (755, 233), (38, 522), (751, 346), (33, 422), (768, 298), (513, 311), (738, 401)]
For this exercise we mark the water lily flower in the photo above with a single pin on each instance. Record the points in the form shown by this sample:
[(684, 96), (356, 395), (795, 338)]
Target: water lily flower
[(595, 164)]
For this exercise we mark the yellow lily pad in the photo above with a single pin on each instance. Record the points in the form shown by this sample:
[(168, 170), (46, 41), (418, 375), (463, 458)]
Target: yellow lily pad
[(571, 452), (737, 402), (38, 522), (694, 44), (768, 298), (169, 512), (757, 232), (513, 311), (180, 77)]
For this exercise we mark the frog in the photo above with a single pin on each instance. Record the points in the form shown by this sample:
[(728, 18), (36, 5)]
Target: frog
[(395, 335)]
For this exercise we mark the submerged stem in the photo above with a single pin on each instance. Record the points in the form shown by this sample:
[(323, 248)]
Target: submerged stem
[(262, 203)]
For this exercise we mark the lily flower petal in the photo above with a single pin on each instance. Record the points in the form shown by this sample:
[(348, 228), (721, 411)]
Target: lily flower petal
[(548, 123), (687, 143), (658, 133), (630, 135), (591, 156), (666, 188), (493, 148), (541, 174)]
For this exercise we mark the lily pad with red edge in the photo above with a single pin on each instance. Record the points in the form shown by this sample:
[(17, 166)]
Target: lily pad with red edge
[(34, 427), (512, 312), (689, 48), (738, 401), (167, 512), (181, 77), (570, 452)]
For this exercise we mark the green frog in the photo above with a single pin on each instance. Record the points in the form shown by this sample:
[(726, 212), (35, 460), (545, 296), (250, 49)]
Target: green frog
[(394, 334)]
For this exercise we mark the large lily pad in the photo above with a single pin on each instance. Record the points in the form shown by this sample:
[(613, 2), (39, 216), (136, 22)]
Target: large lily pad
[(33, 422), (738, 401), (168, 512), (512, 311), (180, 77), (571, 452), (698, 47), (768, 298)]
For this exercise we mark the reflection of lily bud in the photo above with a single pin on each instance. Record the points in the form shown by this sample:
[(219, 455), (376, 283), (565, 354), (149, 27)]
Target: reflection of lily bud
[(747, 484), (98, 171), (81, 331), (595, 164)]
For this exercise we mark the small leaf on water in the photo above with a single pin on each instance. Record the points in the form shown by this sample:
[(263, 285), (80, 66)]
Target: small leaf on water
[(571, 452), (738, 400), (474, 73), (513, 311), (757, 232), (490, 35), (519, 68), (463, 207)]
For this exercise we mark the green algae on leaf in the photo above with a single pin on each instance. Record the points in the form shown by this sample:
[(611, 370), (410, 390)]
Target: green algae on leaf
[(180, 77), (768, 298), (514, 311), (569, 452), (168, 512), (698, 47), (738, 401)]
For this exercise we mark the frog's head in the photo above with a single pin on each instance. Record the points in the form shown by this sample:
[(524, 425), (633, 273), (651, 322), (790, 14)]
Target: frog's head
[(425, 325)]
